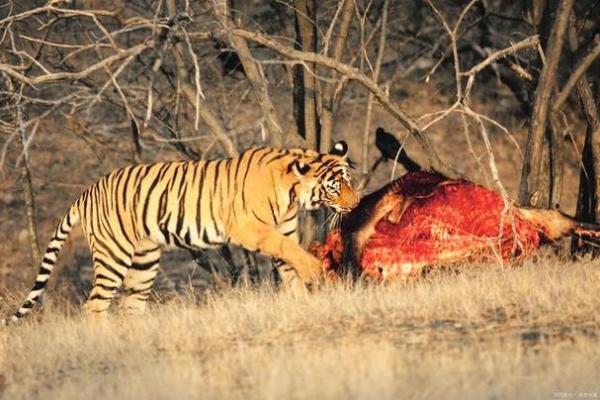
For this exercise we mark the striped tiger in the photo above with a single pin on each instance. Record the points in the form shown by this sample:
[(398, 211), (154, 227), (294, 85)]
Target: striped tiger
[(251, 201)]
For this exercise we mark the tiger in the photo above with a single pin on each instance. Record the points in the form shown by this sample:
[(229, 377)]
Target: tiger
[(251, 201)]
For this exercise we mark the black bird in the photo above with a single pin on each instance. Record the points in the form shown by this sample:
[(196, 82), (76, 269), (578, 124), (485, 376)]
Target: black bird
[(391, 149)]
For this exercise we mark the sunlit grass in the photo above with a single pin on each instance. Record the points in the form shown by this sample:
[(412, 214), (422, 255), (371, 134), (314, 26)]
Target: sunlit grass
[(524, 332)]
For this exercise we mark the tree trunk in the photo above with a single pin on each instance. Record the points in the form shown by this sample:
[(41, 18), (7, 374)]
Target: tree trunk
[(535, 178), (588, 198), (305, 105), (556, 158), (29, 199), (306, 37)]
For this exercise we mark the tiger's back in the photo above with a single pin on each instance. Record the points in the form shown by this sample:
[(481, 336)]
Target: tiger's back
[(169, 203)]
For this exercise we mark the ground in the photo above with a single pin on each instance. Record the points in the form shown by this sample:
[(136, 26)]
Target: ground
[(520, 332)]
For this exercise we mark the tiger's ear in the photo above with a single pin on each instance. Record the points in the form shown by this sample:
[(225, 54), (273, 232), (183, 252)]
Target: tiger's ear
[(339, 149), (299, 168)]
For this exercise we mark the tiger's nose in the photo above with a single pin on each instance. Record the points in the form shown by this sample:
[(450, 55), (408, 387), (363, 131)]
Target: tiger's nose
[(349, 197)]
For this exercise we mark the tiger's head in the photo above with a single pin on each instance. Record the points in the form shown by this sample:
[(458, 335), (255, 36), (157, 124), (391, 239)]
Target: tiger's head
[(324, 180)]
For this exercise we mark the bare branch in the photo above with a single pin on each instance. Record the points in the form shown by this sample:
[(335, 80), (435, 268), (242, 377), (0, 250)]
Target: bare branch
[(194, 99), (367, 130), (11, 70), (531, 41), (254, 75), (353, 73), (582, 66)]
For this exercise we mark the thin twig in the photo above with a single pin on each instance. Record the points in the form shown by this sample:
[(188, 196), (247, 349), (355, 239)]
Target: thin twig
[(368, 83)]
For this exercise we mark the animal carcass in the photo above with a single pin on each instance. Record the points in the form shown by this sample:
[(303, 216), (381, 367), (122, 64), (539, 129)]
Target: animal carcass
[(424, 219)]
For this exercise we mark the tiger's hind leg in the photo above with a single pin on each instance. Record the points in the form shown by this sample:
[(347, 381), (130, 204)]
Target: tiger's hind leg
[(109, 273), (140, 277)]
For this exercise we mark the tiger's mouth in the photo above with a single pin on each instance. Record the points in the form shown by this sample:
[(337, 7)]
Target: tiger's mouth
[(341, 209)]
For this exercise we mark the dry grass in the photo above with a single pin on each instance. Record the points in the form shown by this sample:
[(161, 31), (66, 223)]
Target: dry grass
[(527, 332)]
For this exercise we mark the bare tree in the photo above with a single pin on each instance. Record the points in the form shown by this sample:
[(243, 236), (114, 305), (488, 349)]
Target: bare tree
[(535, 178), (588, 199)]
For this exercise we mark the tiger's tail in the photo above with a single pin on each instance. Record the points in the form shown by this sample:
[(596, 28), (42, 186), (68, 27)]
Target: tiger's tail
[(70, 219)]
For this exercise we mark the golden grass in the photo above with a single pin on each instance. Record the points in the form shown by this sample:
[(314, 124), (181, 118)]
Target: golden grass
[(527, 332)]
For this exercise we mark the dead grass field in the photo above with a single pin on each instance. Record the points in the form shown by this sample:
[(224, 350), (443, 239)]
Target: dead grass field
[(493, 333)]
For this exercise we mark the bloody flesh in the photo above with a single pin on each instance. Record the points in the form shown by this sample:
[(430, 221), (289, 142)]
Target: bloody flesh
[(431, 220)]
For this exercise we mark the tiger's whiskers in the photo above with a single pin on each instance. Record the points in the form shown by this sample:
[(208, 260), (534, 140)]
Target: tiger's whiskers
[(334, 220)]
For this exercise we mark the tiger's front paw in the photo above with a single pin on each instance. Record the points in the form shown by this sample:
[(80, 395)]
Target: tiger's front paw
[(311, 272)]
